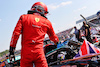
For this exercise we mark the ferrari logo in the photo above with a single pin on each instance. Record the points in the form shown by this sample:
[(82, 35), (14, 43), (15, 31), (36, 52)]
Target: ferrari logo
[(37, 19)]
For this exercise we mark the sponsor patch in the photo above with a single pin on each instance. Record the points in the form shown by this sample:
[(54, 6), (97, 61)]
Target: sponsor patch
[(37, 19)]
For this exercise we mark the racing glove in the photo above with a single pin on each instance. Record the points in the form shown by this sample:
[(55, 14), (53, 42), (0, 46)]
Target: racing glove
[(11, 54)]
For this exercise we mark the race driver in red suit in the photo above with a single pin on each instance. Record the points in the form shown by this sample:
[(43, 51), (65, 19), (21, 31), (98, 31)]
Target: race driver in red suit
[(33, 27)]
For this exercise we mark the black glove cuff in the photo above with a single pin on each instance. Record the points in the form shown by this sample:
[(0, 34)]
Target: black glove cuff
[(11, 50)]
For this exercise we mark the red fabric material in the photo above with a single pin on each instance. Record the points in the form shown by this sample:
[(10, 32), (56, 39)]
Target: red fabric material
[(83, 48), (33, 29)]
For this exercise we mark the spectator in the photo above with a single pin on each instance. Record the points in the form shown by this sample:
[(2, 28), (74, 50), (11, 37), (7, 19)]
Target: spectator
[(78, 34), (87, 32)]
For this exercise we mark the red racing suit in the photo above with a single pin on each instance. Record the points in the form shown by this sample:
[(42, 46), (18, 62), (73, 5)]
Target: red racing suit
[(33, 29)]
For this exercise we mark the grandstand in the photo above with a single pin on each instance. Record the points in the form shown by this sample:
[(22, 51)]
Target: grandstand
[(92, 20)]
